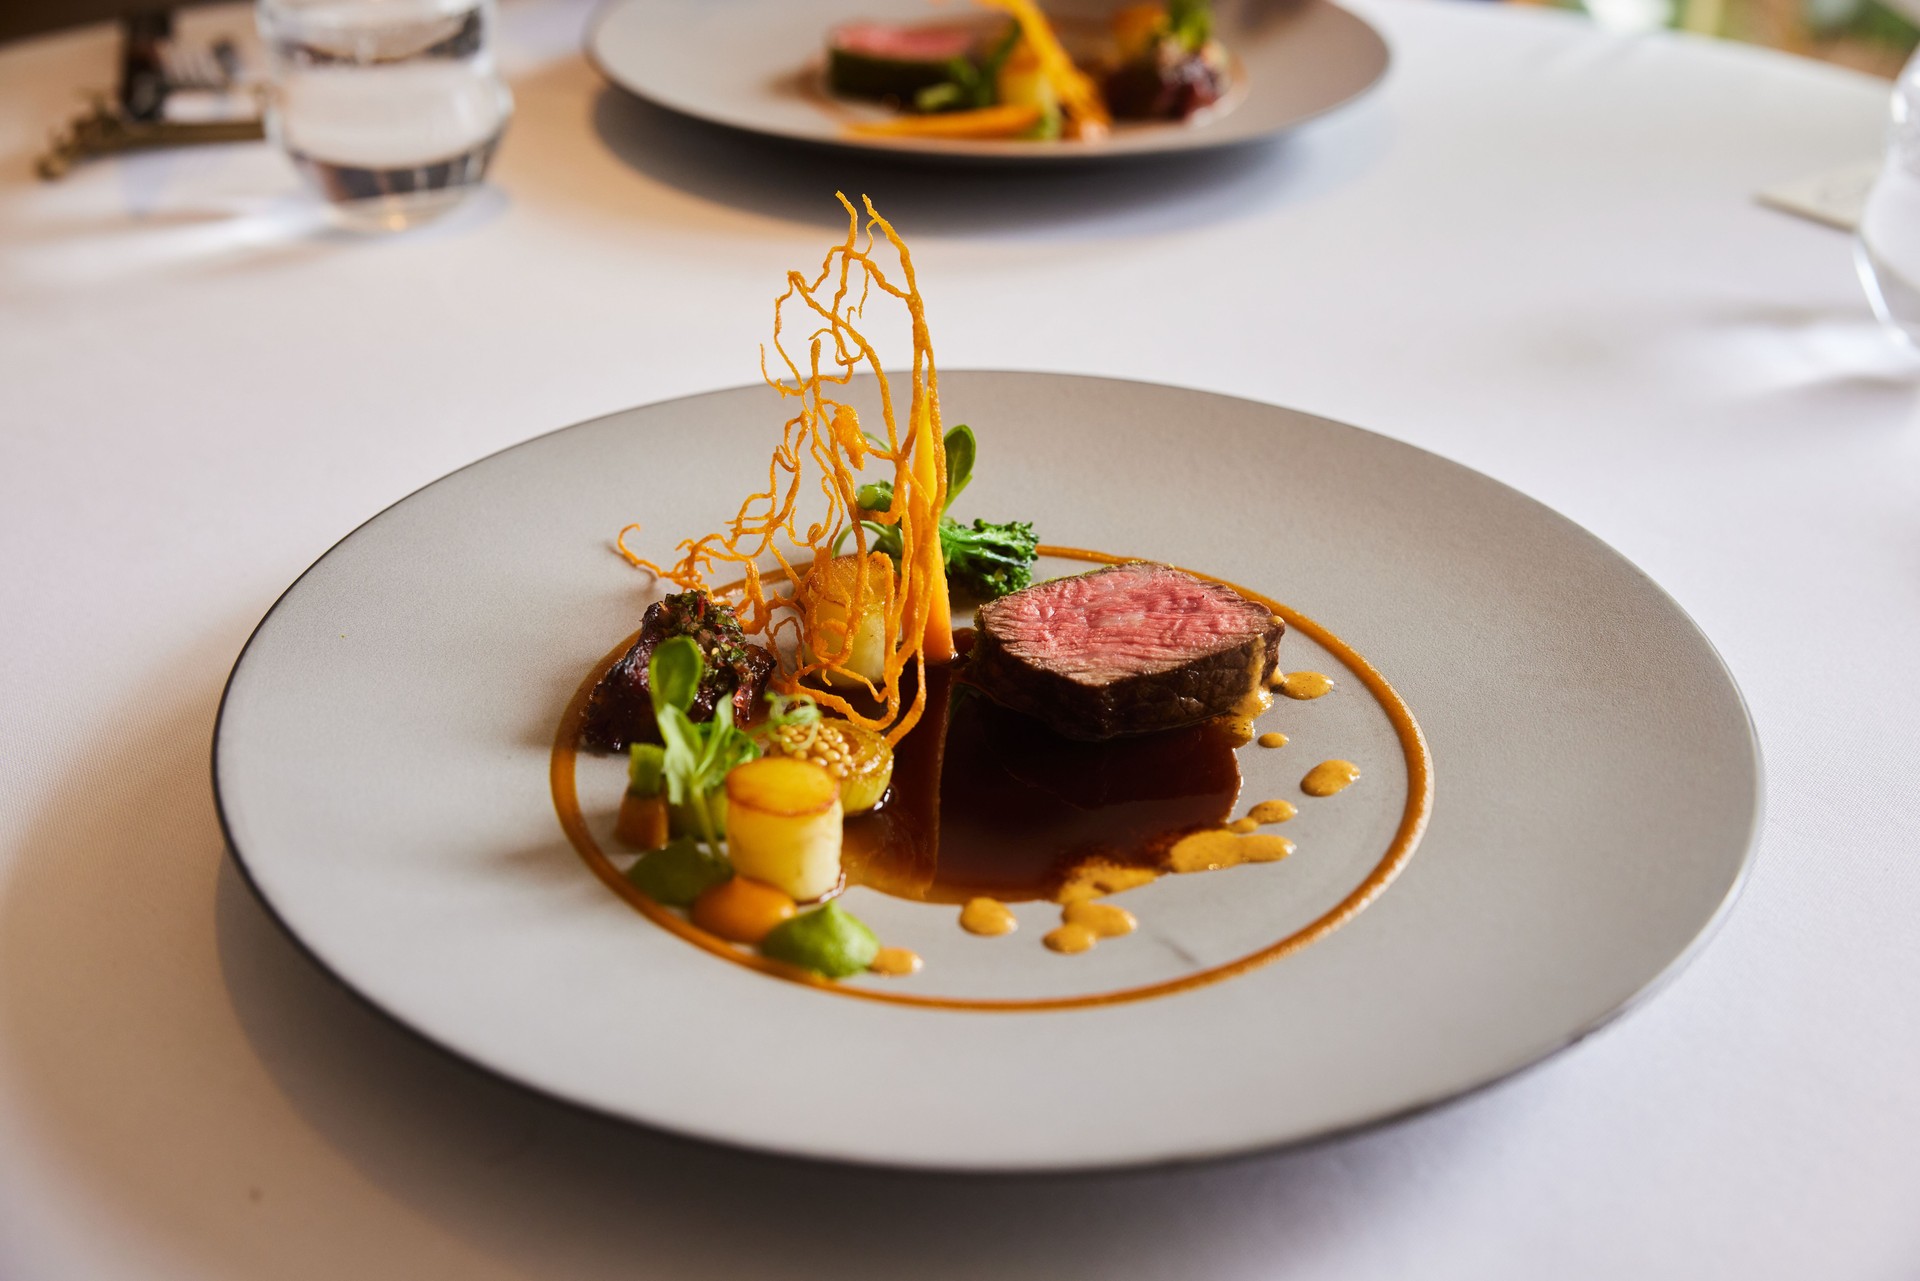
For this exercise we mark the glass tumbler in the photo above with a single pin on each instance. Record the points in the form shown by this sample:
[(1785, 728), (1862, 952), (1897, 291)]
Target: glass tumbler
[(1887, 248), (390, 109)]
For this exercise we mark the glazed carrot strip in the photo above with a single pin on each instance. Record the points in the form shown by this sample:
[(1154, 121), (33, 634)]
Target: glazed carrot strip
[(1009, 120)]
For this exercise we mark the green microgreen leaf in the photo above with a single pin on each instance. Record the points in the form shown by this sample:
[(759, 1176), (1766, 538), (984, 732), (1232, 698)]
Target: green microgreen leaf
[(961, 451), (876, 496), (681, 758), (646, 768), (673, 673)]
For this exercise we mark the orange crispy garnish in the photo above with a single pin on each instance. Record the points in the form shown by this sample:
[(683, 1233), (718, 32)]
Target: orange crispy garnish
[(822, 447)]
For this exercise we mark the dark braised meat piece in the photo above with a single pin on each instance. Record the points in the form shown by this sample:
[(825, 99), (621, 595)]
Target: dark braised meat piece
[(1130, 649), (1167, 82), (620, 709)]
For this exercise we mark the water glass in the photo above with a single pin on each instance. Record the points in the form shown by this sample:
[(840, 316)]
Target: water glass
[(390, 109), (1887, 249)]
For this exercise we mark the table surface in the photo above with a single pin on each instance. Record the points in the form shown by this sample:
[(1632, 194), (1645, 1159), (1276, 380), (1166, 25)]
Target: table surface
[(1534, 250)]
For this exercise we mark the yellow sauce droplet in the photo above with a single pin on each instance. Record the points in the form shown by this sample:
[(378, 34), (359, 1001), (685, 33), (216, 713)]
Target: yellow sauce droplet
[(1238, 723), (987, 916), (1104, 919), (1272, 812), (1273, 739), (1097, 880), (1210, 851), (1302, 685), (1071, 938), (1329, 777), (1243, 825), (895, 962)]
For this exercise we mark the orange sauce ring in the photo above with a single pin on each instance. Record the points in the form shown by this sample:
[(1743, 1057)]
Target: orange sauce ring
[(1413, 823)]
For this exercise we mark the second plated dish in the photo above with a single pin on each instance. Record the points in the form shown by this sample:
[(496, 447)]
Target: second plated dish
[(760, 66)]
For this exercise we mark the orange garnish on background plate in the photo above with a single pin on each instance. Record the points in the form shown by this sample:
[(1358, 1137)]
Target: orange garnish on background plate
[(1079, 96), (1009, 120)]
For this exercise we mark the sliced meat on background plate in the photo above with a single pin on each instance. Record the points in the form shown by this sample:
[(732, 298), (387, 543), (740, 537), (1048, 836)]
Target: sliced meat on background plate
[(884, 60)]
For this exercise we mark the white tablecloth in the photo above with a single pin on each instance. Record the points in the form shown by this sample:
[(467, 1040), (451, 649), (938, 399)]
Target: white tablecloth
[(1534, 250)]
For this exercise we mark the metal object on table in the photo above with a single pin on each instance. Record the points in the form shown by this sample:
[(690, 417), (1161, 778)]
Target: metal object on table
[(105, 130), (153, 66)]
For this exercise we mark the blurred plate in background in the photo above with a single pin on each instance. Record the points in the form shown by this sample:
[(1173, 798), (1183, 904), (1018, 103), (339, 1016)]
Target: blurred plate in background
[(756, 65)]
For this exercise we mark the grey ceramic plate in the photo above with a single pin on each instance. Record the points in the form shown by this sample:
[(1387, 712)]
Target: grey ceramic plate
[(757, 66), (382, 765)]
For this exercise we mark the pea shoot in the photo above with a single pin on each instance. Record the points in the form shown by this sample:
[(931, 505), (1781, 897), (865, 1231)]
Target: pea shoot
[(984, 560)]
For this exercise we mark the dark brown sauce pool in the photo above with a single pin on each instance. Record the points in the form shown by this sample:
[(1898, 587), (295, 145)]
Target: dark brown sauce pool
[(987, 801)]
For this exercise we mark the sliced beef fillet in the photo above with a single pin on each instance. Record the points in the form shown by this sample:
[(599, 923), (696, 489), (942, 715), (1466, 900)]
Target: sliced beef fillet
[(1125, 650), (887, 61), (620, 709)]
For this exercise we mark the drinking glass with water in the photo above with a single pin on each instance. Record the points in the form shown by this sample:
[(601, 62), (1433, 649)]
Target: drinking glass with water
[(1888, 246), (391, 109)]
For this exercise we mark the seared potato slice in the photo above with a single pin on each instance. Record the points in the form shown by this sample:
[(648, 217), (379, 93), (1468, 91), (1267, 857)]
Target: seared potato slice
[(832, 588), (783, 825)]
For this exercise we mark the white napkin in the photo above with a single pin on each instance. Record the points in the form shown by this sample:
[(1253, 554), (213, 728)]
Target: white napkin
[(1835, 197)]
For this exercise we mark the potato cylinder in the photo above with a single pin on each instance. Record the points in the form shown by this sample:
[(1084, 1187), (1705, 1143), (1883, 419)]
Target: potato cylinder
[(783, 825), (858, 636)]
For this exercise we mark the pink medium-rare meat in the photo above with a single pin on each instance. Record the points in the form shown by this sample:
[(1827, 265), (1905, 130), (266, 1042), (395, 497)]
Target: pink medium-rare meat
[(1125, 621), (1129, 649), (894, 63), (930, 43)]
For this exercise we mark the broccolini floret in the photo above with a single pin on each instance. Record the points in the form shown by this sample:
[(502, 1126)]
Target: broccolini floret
[(985, 560)]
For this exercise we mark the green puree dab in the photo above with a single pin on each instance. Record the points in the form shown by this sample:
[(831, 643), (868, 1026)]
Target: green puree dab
[(829, 940), (678, 872)]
